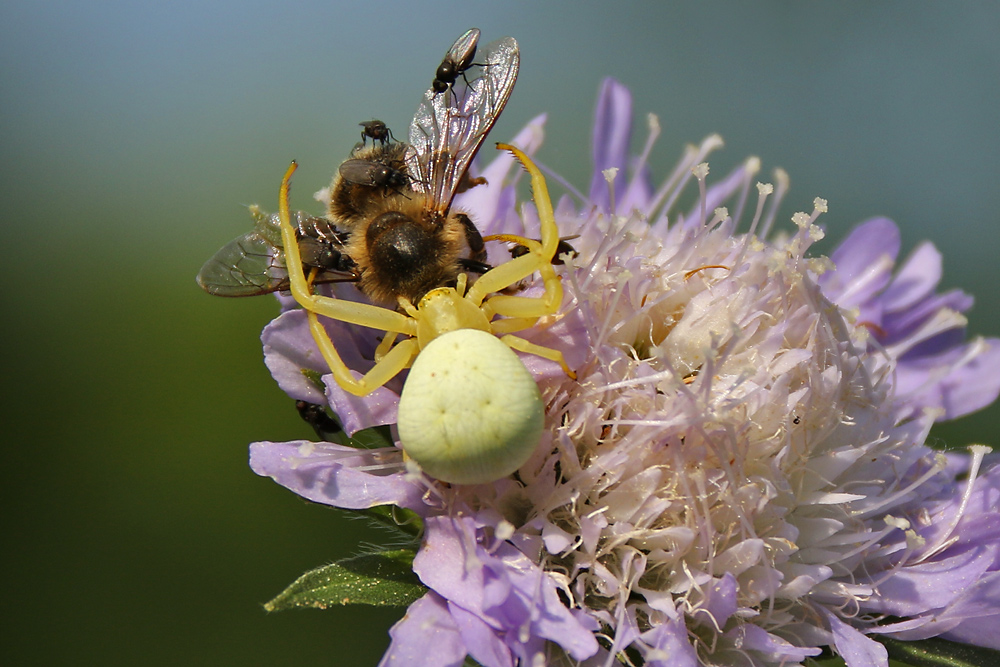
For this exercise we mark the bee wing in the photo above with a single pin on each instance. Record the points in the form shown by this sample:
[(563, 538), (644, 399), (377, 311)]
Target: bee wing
[(254, 263), (246, 266), (449, 127)]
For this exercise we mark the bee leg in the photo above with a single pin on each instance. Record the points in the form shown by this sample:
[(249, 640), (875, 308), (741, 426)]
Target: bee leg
[(474, 266), (473, 238)]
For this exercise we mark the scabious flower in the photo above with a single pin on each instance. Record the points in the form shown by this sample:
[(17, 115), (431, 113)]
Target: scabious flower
[(737, 475)]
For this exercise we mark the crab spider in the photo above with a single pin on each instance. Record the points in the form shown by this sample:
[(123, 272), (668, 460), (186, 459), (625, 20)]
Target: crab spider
[(473, 413)]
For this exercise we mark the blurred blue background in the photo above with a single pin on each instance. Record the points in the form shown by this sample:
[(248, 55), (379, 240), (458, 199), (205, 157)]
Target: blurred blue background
[(132, 135)]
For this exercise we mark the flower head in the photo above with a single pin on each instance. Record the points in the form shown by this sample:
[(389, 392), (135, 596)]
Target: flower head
[(738, 473)]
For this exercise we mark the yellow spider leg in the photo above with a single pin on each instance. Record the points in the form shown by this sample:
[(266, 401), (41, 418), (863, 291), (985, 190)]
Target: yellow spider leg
[(539, 255), (539, 258), (522, 345), (504, 275), (362, 314), (508, 238), (391, 363), (546, 216), (523, 312), (526, 306), (385, 369), (512, 324), (383, 347)]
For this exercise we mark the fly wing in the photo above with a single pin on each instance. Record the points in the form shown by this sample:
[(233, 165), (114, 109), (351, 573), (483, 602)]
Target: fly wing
[(463, 50), (449, 127), (361, 171)]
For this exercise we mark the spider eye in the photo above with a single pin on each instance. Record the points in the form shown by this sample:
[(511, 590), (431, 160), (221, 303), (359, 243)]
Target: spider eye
[(470, 412)]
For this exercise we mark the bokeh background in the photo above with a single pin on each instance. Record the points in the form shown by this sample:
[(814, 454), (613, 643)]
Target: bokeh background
[(132, 135)]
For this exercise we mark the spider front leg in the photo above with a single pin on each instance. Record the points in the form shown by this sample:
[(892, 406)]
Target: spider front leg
[(395, 360), (522, 312), (538, 258)]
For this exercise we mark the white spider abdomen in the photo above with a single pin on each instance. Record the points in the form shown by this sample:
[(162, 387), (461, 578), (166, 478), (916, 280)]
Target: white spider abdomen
[(470, 412)]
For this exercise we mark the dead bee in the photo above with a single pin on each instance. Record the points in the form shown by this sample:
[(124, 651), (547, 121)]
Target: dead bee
[(394, 200)]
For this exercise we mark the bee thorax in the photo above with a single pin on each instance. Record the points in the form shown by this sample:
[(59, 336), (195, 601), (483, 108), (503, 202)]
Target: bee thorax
[(405, 258)]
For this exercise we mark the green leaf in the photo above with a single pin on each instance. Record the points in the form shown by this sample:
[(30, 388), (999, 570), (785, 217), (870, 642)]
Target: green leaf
[(939, 653), (406, 523), (825, 660), (373, 438), (381, 579), (315, 377)]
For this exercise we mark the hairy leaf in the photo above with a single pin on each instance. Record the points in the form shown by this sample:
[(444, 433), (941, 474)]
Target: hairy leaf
[(380, 579)]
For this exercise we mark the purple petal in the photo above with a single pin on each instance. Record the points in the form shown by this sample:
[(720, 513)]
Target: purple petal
[(336, 475), (626, 628), (482, 641), (288, 349), (916, 279), (864, 263), (506, 590), (980, 521), (856, 649), (980, 611), (667, 645), (720, 599), (973, 619), (550, 619), (986, 493), (941, 382), (978, 631), (612, 136), (533, 590), (445, 565), (378, 408), (754, 638), (639, 192), (426, 635), (933, 584), (901, 324)]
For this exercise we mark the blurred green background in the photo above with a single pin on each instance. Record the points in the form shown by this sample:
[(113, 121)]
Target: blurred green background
[(132, 134)]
